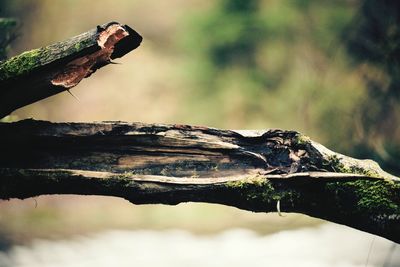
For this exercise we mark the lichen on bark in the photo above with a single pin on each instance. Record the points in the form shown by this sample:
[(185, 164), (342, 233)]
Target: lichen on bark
[(20, 64)]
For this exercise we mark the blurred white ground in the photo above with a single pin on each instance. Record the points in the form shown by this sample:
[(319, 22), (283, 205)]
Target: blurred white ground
[(326, 245)]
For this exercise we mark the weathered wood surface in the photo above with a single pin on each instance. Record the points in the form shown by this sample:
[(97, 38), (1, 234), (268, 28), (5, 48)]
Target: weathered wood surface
[(43, 72), (262, 171)]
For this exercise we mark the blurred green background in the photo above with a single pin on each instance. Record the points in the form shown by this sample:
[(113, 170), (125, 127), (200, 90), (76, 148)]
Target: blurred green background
[(330, 69)]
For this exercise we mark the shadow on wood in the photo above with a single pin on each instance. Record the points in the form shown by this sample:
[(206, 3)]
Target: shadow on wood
[(151, 163)]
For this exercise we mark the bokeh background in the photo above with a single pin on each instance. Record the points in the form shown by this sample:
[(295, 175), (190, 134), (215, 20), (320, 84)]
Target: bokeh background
[(330, 69)]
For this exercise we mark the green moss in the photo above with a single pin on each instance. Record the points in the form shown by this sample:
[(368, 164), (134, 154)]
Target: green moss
[(369, 173), (261, 191), (336, 165), (81, 45), (20, 64), (124, 175), (301, 140), (367, 196), (28, 60), (78, 46), (251, 180), (84, 43)]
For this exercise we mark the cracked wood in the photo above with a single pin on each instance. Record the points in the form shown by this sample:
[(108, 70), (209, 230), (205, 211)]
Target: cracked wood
[(169, 164)]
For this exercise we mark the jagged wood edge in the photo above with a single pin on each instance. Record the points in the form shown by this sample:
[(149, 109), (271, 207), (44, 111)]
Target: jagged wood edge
[(340, 189), (27, 78)]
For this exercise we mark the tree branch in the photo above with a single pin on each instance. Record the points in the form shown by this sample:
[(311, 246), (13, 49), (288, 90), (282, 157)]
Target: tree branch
[(150, 163), (263, 171), (43, 72)]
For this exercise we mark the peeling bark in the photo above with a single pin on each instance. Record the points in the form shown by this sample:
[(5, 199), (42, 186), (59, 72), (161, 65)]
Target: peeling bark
[(43, 72), (169, 164)]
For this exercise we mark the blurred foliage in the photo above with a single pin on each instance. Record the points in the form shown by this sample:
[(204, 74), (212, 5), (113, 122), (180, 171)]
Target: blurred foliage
[(373, 44), (9, 22), (327, 68), (269, 63), (7, 35)]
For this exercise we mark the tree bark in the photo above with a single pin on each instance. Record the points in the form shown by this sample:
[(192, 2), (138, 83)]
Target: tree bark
[(262, 171), (43, 72)]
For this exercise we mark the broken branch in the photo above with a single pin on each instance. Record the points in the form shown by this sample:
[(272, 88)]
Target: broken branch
[(43, 72), (169, 164)]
